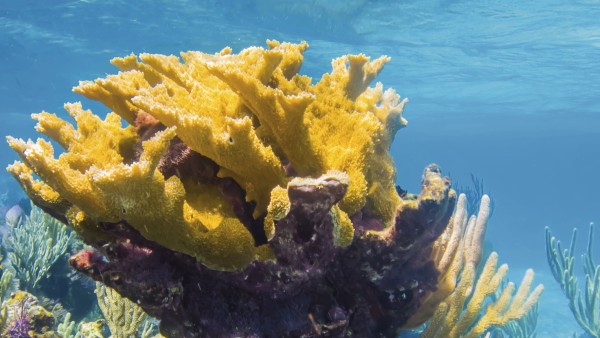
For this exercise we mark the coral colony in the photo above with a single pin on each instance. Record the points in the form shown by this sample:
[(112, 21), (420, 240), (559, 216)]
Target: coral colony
[(244, 200)]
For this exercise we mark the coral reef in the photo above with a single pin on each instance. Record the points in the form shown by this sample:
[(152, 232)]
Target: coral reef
[(22, 315), (585, 304), (37, 247), (243, 200)]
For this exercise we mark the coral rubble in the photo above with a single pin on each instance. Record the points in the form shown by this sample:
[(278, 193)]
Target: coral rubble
[(242, 199)]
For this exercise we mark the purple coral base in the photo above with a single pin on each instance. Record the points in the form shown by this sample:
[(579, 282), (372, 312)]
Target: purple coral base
[(368, 289)]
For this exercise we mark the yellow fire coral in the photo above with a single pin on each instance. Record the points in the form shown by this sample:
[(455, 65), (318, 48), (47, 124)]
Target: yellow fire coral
[(251, 113)]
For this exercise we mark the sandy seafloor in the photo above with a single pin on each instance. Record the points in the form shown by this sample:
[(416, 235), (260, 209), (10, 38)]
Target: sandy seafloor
[(507, 90)]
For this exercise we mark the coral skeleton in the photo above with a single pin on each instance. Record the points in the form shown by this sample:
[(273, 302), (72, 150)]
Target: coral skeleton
[(243, 200)]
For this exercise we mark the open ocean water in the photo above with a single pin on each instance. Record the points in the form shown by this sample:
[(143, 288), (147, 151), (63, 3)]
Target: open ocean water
[(506, 90)]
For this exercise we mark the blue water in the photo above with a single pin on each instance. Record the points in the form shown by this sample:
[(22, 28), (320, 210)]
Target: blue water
[(508, 90)]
